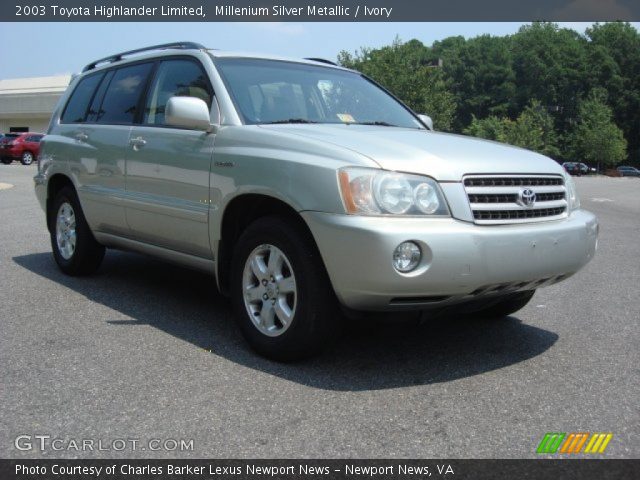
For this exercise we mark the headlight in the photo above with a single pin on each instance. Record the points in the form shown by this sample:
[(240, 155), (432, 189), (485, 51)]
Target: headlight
[(378, 192), (572, 193), (393, 193)]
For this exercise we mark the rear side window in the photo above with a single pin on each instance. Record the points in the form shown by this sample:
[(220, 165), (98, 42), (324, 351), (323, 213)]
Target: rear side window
[(175, 78), (121, 100), (95, 113), (76, 108)]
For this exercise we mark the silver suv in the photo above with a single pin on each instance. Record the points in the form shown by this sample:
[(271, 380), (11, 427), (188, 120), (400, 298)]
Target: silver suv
[(304, 187)]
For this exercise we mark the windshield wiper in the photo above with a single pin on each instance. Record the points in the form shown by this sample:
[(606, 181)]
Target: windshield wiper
[(378, 123), (290, 120)]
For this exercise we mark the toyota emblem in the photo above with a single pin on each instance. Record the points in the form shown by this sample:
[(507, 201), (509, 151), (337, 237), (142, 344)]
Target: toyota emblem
[(527, 197)]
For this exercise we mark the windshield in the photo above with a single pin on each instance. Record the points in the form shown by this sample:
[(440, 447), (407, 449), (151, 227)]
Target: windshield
[(272, 91)]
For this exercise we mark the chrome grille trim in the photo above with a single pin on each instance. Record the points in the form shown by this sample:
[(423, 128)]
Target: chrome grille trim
[(494, 199), (512, 181)]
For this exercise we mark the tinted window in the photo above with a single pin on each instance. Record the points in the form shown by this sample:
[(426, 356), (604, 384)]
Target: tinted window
[(76, 108), (270, 91), (121, 100), (95, 113), (175, 78)]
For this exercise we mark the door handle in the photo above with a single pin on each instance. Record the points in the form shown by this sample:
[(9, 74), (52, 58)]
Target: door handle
[(137, 142), (81, 137)]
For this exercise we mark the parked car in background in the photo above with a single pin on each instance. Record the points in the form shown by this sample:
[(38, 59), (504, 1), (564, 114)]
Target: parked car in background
[(20, 146), (629, 171), (586, 169), (572, 168)]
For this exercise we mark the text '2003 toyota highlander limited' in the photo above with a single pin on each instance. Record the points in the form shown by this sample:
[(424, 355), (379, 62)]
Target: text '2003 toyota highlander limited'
[(302, 186)]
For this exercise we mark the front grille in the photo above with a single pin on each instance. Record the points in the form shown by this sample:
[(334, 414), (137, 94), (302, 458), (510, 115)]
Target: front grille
[(516, 198), (524, 181), (516, 214), (513, 198)]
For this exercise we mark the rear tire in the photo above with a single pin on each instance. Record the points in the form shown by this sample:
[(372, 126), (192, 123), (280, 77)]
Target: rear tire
[(27, 158), (75, 249), (281, 294), (511, 304)]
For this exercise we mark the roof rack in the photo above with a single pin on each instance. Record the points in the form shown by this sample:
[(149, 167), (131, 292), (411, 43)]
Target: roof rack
[(322, 60), (163, 46)]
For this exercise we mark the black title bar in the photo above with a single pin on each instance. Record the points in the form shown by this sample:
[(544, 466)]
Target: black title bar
[(584, 469), (318, 10)]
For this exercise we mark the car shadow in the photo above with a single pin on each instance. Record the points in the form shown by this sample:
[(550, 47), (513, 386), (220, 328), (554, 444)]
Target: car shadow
[(370, 354)]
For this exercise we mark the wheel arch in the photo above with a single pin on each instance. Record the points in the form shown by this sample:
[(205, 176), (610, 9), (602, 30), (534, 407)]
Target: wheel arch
[(56, 183), (238, 215)]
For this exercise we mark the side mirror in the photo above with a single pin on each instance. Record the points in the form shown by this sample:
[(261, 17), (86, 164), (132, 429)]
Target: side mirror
[(188, 112), (426, 119)]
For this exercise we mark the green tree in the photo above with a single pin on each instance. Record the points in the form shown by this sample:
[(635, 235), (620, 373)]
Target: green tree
[(486, 85), (596, 138), (551, 66), (490, 128), (533, 129), (615, 52), (480, 74), (407, 70)]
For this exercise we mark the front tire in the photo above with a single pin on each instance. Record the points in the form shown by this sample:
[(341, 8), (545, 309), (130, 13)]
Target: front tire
[(511, 304), (282, 298), (75, 249), (27, 158)]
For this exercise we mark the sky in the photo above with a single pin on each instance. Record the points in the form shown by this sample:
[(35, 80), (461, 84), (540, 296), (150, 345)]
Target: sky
[(61, 48)]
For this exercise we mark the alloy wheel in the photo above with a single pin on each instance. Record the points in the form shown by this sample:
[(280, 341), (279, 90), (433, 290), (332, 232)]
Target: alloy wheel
[(269, 290), (66, 231)]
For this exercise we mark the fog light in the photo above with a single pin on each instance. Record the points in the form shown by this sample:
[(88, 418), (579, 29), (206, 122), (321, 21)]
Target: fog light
[(406, 257)]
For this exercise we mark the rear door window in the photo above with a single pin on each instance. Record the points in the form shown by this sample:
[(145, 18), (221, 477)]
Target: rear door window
[(121, 100), (76, 109)]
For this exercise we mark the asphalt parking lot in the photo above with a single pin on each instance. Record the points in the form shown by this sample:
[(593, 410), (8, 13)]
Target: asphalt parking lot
[(145, 350)]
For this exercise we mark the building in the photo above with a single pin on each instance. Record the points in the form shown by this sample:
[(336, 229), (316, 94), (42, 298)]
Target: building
[(26, 104)]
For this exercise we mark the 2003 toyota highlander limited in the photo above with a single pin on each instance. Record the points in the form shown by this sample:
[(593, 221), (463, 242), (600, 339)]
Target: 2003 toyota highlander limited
[(303, 187)]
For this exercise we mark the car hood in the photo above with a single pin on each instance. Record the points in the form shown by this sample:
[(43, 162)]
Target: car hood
[(445, 157)]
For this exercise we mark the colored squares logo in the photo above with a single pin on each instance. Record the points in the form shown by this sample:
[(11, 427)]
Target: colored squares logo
[(581, 442)]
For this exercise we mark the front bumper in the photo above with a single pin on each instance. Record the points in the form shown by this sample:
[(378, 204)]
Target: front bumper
[(461, 261)]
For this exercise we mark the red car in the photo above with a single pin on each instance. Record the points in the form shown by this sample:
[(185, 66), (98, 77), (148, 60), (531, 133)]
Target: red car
[(20, 146)]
